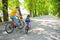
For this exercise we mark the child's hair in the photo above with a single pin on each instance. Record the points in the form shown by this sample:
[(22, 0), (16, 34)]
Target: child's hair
[(28, 15)]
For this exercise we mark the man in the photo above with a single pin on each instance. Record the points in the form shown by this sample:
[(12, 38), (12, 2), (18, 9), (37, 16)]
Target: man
[(13, 14)]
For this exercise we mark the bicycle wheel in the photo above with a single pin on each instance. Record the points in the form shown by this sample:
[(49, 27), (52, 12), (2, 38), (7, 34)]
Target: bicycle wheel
[(8, 28), (26, 30), (21, 24)]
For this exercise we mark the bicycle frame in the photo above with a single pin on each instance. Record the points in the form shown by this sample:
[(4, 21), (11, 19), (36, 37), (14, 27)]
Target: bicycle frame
[(13, 23)]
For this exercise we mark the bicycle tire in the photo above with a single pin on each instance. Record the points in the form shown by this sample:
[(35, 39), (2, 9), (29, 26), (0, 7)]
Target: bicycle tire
[(22, 26), (26, 30), (6, 29)]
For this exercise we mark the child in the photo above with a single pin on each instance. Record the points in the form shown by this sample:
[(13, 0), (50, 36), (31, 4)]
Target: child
[(27, 20)]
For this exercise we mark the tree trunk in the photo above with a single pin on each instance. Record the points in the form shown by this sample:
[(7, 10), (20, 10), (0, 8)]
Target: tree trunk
[(5, 10), (59, 8), (35, 12), (0, 19), (31, 15), (35, 9)]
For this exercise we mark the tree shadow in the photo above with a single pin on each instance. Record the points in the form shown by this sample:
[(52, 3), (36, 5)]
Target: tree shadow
[(39, 31)]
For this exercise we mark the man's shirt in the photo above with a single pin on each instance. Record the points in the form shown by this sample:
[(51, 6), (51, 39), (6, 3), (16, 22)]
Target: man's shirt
[(13, 12)]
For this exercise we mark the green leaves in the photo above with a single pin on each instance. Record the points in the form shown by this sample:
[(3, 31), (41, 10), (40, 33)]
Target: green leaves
[(36, 7), (42, 7), (0, 5), (13, 3)]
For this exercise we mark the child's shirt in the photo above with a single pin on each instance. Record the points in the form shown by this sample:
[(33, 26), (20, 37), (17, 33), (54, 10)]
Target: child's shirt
[(27, 21)]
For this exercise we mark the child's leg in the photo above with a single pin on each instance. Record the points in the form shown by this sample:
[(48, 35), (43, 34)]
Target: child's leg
[(29, 26)]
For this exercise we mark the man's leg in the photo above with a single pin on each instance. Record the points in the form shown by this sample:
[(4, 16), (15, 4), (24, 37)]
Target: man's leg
[(16, 21)]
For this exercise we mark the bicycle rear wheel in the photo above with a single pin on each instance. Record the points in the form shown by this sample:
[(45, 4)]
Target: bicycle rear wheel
[(21, 24), (8, 28)]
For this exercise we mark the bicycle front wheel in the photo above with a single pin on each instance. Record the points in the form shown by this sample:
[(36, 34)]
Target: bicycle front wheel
[(8, 28)]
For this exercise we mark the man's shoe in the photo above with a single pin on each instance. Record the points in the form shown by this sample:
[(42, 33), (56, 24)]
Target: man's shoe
[(15, 26)]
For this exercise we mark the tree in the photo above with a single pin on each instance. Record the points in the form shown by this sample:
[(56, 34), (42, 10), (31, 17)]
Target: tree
[(13, 3), (28, 5), (5, 10), (0, 19), (0, 5), (41, 7), (59, 8)]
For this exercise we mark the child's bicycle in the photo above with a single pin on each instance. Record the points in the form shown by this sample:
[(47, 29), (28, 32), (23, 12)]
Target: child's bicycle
[(9, 26), (27, 28)]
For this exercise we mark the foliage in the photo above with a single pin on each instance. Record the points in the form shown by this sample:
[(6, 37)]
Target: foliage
[(13, 3), (42, 7), (0, 5), (36, 7)]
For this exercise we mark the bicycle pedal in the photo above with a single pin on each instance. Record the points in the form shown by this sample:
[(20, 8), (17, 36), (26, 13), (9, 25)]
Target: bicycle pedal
[(14, 26), (10, 27)]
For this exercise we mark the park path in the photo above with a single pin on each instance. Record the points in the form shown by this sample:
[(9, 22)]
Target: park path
[(42, 28)]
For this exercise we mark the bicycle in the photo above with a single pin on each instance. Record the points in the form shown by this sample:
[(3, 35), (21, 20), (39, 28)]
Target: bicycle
[(27, 28), (9, 26)]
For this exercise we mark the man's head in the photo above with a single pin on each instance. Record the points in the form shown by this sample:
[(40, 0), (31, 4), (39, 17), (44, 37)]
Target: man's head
[(17, 7)]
